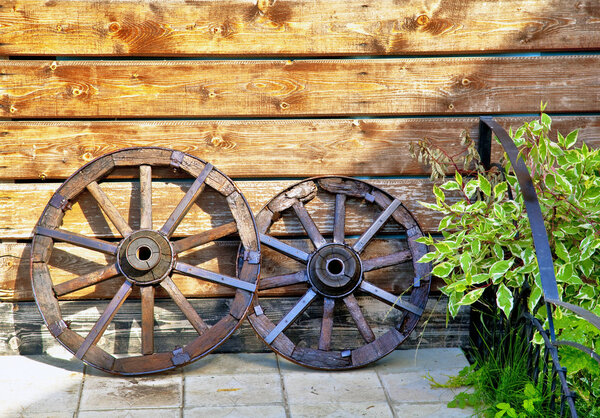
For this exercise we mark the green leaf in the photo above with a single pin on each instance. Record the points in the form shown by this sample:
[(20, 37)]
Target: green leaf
[(561, 251), (458, 178), (443, 269), (504, 299), (445, 222), (471, 297), (571, 139), (546, 121), (498, 252), (534, 298), (499, 268), (503, 405), (480, 278), (561, 139), (471, 188), (439, 193), (428, 258), (554, 149), (450, 185), (465, 262), (475, 246), (500, 189), (484, 185)]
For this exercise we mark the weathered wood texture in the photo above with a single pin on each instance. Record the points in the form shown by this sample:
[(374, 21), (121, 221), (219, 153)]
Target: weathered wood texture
[(302, 148), (24, 202), (289, 27), (278, 88), (22, 330)]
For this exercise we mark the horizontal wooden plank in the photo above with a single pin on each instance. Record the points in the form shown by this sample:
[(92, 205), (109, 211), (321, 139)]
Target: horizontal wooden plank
[(252, 148), (269, 27), (69, 262), (23, 203), (278, 88), (22, 330)]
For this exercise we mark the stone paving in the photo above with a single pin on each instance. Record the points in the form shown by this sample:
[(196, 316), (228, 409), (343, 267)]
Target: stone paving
[(231, 385)]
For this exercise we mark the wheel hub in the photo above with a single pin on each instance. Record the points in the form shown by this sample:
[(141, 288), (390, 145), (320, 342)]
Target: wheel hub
[(334, 270), (145, 257)]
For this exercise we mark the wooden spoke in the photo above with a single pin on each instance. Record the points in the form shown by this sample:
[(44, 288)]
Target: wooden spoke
[(283, 280), (186, 203), (204, 237), (147, 294), (339, 219), (326, 324), (376, 226), (284, 248), (388, 298), (213, 277), (386, 260), (308, 224), (185, 306), (78, 240), (109, 209), (86, 280), (107, 316), (361, 323), (292, 315), (145, 197)]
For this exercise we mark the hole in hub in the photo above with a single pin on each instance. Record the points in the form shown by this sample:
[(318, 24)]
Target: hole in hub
[(335, 266), (144, 253)]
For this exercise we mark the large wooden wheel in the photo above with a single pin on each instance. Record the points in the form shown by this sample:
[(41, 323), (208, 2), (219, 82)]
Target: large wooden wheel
[(143, 260), (336, 271)]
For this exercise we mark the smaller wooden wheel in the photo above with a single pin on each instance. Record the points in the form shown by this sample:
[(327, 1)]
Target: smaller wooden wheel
[(143, 260), (337, 273)]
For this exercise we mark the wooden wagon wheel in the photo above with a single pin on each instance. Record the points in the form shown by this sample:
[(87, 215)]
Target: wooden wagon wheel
[(333, 268), (145, 258)]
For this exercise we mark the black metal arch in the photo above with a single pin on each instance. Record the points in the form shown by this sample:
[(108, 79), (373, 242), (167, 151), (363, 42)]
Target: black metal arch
[(487, 127)]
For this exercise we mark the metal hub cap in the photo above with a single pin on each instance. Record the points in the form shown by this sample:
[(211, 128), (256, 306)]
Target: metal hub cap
[(334, 270), (145, 257)]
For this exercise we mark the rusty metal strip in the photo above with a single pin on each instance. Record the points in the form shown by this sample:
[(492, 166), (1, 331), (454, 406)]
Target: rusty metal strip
[(59, 202), (252, 257), (176, 159), (57, 328), (180, 357)]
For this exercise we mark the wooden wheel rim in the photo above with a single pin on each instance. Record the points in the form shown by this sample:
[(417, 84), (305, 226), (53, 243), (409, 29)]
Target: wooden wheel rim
[(374, 348), (47, 232)]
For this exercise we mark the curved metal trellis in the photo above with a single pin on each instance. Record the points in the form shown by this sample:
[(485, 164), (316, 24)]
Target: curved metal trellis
[(487, 126)]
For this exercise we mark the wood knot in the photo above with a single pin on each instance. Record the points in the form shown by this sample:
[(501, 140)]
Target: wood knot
[(76, 91), (42, 176), (422, 20), (87, 156), (451, 106), (59, 28), (212, 94), (53, 66), (465, 82), (13, 109), (215, 30), (114, 27), (217, 141), (284, 105)]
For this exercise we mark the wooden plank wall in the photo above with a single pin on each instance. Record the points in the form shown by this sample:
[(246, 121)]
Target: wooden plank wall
[(269, 91)]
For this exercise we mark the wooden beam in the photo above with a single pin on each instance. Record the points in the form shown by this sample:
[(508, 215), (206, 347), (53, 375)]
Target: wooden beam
[(291, 27), (290, 148), (278, 88), (22, 325), (68, 262), (23, 203)]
